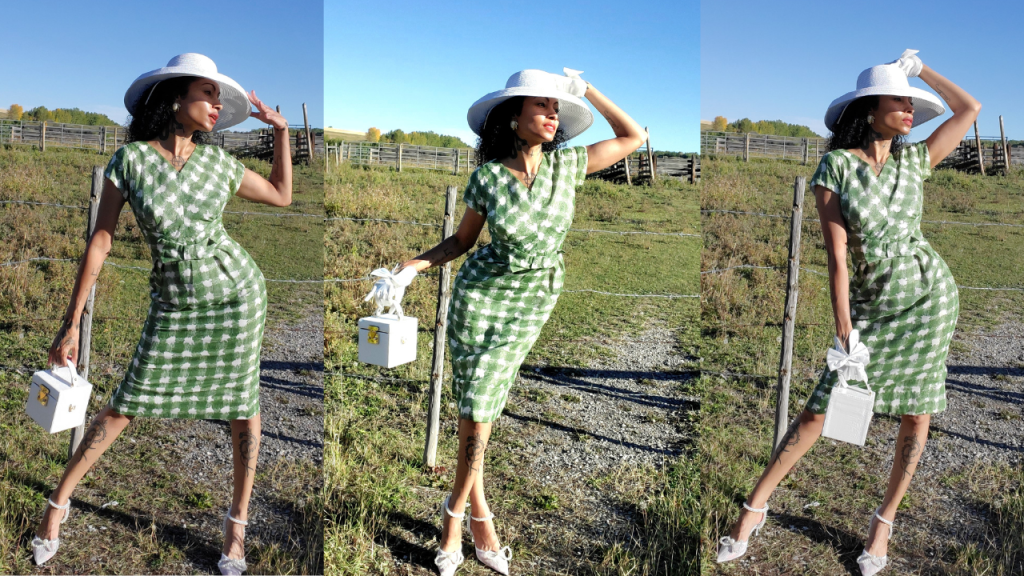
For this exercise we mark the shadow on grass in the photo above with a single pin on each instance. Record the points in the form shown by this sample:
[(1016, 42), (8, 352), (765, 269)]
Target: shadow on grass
[(572, 430), (848, 546), (575, 379)]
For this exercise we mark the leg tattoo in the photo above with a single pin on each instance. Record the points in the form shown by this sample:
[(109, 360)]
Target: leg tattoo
[(911, 450), (790, 440), (474, 452), (248, 446), (95, 435)]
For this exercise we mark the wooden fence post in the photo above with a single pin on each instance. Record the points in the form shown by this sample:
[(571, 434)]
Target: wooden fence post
[(398, 160), (650, 157), (806, 146), (309, 141), (444, 294), (103, 140), (42, 136), (85, 329), (625, 163), (786, 358), (457, 154), (746, 147), (1006, 152), (693, 169), (981, 155)]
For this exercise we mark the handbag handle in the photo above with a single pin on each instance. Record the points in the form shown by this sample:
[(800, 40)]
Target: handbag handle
[(71, 368)]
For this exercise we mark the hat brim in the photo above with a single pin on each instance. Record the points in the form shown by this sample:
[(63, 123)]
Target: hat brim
[(236, 107), (926, 104), (574, 117)]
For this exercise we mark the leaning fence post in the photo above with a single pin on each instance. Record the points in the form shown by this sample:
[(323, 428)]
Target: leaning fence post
[(981, 155), (309, 141), (786, 359), (1006, 153), (444, 294), (85, 329)]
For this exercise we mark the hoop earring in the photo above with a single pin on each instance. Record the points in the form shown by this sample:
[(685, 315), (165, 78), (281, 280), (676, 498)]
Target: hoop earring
[(514, 124), (175, 107)]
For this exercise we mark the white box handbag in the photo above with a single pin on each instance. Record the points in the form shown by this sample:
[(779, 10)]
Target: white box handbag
[(850, 408), (387, 340), (58, 398)]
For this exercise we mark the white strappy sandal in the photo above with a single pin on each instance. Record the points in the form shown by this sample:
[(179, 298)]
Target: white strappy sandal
[(496, 560), (232, 566), (729, 549), (43, 549), (447, 562), (870, 565)]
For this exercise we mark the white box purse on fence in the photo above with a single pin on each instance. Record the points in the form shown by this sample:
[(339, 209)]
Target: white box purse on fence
[(387, 340), (58, 398), (850, 408)]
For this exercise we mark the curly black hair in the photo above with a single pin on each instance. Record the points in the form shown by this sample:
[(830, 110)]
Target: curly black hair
[(498, 140), (154, 120), (853, 130)]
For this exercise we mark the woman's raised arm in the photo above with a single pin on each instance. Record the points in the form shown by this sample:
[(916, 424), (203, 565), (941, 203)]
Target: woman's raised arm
[(65, 344), (965, 109), (628, 134)]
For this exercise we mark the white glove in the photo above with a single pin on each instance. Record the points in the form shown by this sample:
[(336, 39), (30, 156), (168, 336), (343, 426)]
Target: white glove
[(571, 82), (909, 63), (405, 276)]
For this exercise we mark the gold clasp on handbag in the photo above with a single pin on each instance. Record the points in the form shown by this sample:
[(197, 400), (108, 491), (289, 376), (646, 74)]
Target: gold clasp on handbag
[(371, 335), (44, 395), (71, 408)]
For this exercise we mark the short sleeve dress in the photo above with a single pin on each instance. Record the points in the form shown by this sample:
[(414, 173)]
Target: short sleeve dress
[(506, 290), (199, 353), (903, 298)]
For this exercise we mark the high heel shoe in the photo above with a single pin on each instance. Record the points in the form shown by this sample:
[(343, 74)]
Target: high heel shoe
[(869, 564), (729, 549), (232, 566), (496, 560), (447, 562), (43, 549)]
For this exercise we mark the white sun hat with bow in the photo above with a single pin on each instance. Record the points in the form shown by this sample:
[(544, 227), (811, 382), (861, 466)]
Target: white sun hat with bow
[(886, 80), (573, 114), (232, 96)]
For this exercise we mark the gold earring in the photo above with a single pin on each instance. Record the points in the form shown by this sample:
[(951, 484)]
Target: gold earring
[(175, 106)]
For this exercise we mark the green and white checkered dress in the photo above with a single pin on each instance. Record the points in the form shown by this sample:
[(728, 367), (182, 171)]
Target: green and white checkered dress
[(903, 299), (505, 291), (199, 354)]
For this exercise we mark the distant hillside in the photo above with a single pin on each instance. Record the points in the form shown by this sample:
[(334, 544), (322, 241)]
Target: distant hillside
[(772, 127)]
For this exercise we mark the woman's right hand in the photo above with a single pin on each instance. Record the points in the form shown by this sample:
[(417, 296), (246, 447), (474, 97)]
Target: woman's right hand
[(65, 346)]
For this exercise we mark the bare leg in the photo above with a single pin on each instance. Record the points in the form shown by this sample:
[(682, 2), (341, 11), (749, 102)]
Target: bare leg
[(909, 447), (472, 443), (104, 429), (797, 441), (484, 536), (245, 447)]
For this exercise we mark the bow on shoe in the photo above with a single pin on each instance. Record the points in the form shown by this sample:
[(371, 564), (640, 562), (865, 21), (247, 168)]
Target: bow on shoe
[(849, 366), (389, 289)]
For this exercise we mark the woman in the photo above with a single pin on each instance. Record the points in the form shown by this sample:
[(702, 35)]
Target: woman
[(198, 356), (902, 296), (524, 190)]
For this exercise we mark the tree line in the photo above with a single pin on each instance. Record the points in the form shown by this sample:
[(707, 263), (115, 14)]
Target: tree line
[(59, 115), (770, 127)]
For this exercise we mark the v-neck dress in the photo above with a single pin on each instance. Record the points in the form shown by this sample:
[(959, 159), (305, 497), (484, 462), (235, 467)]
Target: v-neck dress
[(199, 353), (506, 290), (903, 298)]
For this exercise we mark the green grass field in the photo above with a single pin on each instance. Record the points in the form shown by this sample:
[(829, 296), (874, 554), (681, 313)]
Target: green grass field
[(380, 499), (741, 312), (146, 534)]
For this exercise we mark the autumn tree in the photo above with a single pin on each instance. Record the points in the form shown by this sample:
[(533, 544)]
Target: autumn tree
[(373, 135), (719, 124), (15, 112)]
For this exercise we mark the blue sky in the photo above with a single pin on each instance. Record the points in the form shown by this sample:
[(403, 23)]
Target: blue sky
[(92, 51), (420, 65), (789, 60)]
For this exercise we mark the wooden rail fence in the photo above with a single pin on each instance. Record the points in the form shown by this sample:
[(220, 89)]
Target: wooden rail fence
[(751, 145)]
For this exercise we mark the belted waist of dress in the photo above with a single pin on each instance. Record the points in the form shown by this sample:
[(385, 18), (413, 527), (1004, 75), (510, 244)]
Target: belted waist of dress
[(520, 261), (878, 250), (167, 250)]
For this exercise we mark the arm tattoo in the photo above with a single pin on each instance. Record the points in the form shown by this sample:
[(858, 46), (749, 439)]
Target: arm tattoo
[(612, 123), (475, 452), (96, 434), (911, 450), (248, 447), (790, 440)]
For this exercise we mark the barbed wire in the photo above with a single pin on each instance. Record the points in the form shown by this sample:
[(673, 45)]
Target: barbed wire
[(746, 266), (766, 215), (635, 295), (128, 210), (587, 230), (141, 269)]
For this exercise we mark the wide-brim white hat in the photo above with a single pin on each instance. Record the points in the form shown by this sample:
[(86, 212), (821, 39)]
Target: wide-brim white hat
[(886, 80), (573, 115), (232, 96)]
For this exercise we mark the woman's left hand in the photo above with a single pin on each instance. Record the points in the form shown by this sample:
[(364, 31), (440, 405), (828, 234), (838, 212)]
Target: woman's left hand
[(266, 114)]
